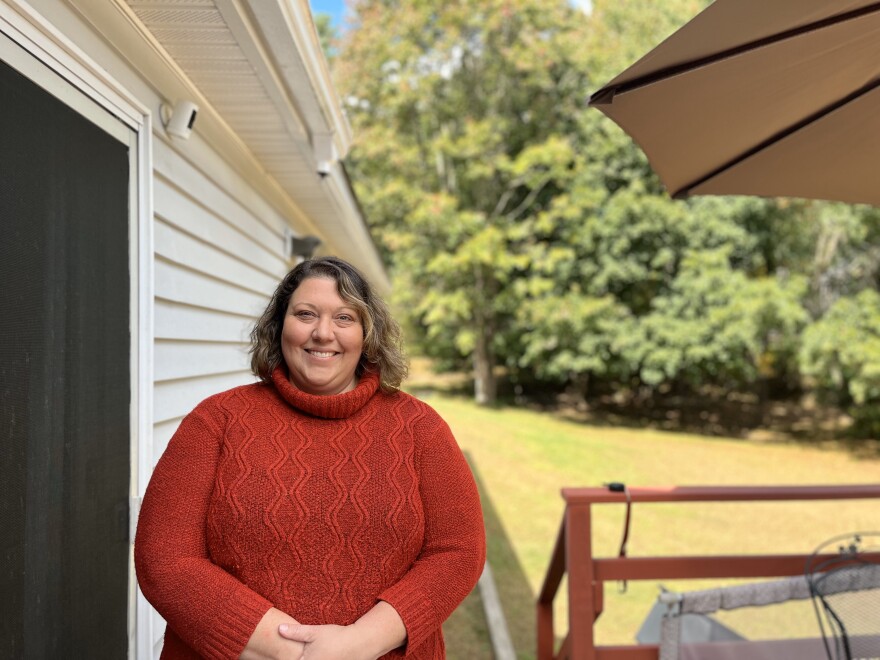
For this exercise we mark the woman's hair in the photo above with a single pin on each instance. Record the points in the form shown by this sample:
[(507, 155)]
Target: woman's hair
[(382, 351)]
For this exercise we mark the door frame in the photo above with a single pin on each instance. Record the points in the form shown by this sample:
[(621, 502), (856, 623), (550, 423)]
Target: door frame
[(30, 43)]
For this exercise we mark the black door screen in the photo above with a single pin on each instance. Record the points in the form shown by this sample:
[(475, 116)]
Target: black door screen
[(64, 380)]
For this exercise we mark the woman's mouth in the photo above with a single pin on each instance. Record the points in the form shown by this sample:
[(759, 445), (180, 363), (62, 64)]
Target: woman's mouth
[(321, 354)]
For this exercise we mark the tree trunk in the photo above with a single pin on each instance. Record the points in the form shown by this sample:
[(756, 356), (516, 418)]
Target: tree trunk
[(485, 386)]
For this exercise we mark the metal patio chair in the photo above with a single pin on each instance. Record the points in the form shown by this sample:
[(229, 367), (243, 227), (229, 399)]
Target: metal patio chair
[(845, 588), (675, 646)]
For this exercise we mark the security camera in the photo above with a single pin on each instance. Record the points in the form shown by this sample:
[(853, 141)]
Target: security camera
[(325, 153), (179, 120)]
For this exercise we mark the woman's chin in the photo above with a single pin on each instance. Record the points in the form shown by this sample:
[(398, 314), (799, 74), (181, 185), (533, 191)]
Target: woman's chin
[(324, 386)]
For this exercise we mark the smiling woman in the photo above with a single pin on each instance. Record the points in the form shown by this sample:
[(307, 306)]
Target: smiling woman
[(322, 339), (321, 512), (347, 295)]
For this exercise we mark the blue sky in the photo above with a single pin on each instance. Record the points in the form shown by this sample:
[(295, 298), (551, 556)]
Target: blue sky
[(336, 8)]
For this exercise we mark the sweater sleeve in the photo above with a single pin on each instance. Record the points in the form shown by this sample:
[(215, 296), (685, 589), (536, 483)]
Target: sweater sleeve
[(454, 548), (211, 611)]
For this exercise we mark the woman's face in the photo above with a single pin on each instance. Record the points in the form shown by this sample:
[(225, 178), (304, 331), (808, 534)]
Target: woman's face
[(322, 338)]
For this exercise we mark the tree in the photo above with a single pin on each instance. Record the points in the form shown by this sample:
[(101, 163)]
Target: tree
[(666, 292), (717, 326), (466, 115), (841, 352), (525, 230)]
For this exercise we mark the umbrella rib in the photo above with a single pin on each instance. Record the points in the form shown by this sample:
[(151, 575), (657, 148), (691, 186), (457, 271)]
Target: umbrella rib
[(683, 192), (606, 95)]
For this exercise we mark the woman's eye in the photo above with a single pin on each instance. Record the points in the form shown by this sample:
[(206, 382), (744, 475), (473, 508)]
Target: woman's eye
[(304, 315)]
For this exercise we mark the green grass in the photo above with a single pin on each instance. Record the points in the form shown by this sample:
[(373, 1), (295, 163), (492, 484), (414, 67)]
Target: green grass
[(466, 634), (522, 458)]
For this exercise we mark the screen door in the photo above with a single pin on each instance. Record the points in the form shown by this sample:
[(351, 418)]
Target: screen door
[(64, 379)]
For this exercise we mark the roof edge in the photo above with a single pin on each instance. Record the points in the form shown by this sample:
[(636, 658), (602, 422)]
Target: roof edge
[(291, 40)]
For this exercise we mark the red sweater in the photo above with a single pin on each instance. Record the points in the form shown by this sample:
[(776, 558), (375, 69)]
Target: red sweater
[(317, 505)]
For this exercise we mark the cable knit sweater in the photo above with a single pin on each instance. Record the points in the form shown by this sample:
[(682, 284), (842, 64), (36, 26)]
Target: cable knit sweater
[(317, 505)]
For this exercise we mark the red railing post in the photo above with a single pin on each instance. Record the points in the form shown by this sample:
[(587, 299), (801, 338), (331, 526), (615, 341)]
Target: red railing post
[(545, 631), (581, 601), (546, 636)]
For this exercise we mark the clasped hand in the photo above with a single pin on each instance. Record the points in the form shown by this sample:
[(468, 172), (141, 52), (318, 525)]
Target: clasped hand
[(326, 642), (279, 636)]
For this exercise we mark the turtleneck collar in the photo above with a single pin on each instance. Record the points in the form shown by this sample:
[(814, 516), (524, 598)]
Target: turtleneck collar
[(330, 406)]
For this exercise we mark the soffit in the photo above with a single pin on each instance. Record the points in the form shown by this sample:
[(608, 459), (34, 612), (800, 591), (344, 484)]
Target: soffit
[(259, 66), (201, 42)]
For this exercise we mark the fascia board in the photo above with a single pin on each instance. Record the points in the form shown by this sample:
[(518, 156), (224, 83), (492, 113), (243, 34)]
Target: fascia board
[(293, 45)]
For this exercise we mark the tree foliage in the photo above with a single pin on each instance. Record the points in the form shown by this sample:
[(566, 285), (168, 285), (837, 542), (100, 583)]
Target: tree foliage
[(467, 116), (841, 352), (527, 231)]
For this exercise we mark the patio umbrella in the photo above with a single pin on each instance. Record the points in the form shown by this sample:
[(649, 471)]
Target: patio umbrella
[(760, 97)]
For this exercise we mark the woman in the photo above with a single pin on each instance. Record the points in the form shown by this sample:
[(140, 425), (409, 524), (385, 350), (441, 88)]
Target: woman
[(320, 513)]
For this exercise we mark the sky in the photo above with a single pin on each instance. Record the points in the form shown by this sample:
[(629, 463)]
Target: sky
[(336, 9)]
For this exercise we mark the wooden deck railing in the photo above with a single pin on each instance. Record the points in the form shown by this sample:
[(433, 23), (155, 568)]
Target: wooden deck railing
[(587, 574)]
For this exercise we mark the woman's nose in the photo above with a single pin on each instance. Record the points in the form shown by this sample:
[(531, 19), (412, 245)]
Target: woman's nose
[(323, 330)]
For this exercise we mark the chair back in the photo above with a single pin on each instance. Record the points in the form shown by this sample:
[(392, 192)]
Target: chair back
[(845, 588)]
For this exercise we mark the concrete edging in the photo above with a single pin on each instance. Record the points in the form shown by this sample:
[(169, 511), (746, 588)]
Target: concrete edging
[(502, 646)]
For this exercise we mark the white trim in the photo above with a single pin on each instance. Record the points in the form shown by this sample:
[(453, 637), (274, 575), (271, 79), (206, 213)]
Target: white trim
[(306, 38), (292, 37), (34, 70), (141, 639), (36, 35), (40, 38)]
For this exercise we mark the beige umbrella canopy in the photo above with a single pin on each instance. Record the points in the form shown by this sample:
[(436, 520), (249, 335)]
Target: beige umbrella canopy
[(760, 97)]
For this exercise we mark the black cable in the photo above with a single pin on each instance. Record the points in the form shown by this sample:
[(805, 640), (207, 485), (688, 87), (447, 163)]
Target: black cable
[(619, 487)]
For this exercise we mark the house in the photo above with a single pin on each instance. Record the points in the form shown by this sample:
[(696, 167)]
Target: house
[(162, 163)]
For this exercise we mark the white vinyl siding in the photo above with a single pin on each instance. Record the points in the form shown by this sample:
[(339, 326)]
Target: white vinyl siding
[(184, 322), (177, 360), (218, 257)]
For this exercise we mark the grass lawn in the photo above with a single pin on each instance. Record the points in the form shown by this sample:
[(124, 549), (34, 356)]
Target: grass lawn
[(522, 458)]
